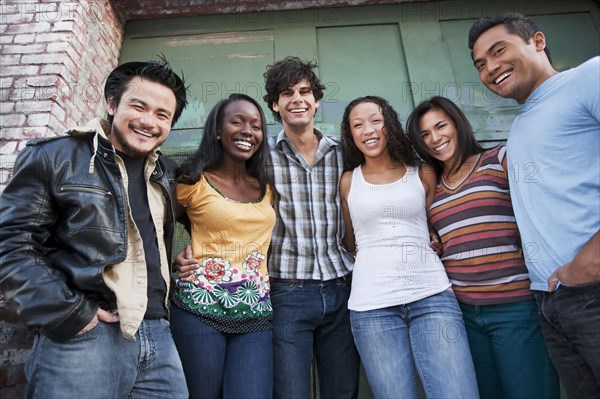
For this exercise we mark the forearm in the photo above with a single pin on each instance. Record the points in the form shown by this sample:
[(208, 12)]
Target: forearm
[(586, 264), (583, 269)]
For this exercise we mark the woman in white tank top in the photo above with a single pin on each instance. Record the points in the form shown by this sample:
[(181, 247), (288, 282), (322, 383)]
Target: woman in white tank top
[(402, 310)]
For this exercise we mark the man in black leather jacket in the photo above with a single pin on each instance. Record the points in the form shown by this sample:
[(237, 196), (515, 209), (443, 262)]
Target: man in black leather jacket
[(85, 240)]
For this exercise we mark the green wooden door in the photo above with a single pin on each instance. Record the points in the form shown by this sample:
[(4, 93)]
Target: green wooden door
[(403, 52)]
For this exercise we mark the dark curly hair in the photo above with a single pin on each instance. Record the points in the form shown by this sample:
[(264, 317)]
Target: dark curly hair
[(467, 145), (286, 73), (398, 144), (515, 23), (209, 153)]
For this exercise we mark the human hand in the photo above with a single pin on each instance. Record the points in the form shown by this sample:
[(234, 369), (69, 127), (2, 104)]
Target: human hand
[(553, 280), (185, 263), (435, 244), (101, 315), (569, 274)]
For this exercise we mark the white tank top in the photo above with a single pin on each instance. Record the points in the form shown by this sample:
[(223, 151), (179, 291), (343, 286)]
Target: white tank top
[(394, 264)]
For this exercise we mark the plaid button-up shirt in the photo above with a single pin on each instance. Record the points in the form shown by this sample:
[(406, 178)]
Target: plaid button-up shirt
[(309, 225)]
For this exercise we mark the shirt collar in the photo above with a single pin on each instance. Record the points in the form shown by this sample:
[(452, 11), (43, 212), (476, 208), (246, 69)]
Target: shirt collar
[(323, 139)]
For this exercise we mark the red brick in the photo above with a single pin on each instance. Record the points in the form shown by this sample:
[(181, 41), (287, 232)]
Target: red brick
[(10, 148), (6, 39), (24, 39), (10, 59), (19, 70), (63, 26), (56, 47), (23, 49), (52, 69), (39, 58), (16, 375), (38, 119), (29, 27), (17, 17), (52, 37), (48, 80), (6, 107), (34, 106), (12, 120)]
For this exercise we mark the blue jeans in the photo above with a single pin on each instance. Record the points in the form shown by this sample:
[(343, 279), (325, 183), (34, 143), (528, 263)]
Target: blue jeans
[(102, 364), (221, 365), (570, 319), (311, 318), (510, 357), (429, 334)]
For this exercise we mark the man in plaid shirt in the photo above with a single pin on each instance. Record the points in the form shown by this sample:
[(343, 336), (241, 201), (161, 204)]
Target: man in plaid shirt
[(310, 272)]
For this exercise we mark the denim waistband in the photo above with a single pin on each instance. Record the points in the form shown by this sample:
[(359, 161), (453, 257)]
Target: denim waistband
[(347, 277)]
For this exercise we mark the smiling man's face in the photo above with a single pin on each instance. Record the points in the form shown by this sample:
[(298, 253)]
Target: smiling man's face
[(142, 119), (507, 65)]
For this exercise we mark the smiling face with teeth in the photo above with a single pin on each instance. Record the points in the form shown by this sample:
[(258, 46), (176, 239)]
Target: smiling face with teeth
[(240, 131), (367, 125), (509, 66), (142, 119), (438, 133), (297, 106)]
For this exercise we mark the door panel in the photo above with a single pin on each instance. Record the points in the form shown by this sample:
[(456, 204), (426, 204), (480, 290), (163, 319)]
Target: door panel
[(357, 61), (215, 65)]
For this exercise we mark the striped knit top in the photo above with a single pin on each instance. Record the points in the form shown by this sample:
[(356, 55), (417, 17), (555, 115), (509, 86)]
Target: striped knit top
[(482, 248)]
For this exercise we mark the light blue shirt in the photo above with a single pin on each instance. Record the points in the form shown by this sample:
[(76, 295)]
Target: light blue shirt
[(554, 169)]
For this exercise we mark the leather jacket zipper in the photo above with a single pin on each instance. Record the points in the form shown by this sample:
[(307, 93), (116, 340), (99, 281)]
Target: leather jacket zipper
[(90, 189)]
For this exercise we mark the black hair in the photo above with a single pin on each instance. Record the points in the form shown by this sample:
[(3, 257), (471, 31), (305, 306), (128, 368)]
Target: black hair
[(156, 71), (467, 145), (286, 73), (398, 144), (209, 154), (515, 23)]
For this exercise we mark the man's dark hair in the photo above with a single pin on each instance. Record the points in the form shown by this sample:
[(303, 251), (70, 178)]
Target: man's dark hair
[(466, 146), (515, 23), (398, 145), (159, 71), (286, 73)]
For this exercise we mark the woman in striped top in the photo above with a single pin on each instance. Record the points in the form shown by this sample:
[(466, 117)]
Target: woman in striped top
[(482, 253)]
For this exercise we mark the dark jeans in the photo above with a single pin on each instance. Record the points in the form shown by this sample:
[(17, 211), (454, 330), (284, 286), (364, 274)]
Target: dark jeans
[(510, 357), (570, 320), (307, 318), (220, 365)]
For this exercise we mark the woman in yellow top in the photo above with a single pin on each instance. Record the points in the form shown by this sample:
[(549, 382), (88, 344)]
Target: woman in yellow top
[(221, 319)]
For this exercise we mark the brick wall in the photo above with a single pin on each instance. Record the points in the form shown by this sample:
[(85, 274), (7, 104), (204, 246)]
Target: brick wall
[(54, 58)]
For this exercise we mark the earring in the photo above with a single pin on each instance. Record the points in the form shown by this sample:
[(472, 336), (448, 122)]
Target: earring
[(218, 138)]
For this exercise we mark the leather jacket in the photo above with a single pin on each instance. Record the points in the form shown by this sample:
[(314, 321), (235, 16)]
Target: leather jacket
[(63, 220)]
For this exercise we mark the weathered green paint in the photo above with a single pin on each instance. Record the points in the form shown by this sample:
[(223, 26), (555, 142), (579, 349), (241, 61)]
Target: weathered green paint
[(361, 60), (404, 52), (214, 64)]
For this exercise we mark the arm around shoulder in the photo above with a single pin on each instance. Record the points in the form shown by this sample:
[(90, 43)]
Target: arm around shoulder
[(349, 239)]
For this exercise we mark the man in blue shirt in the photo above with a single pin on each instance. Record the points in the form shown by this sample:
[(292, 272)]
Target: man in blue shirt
[(555, 186)]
